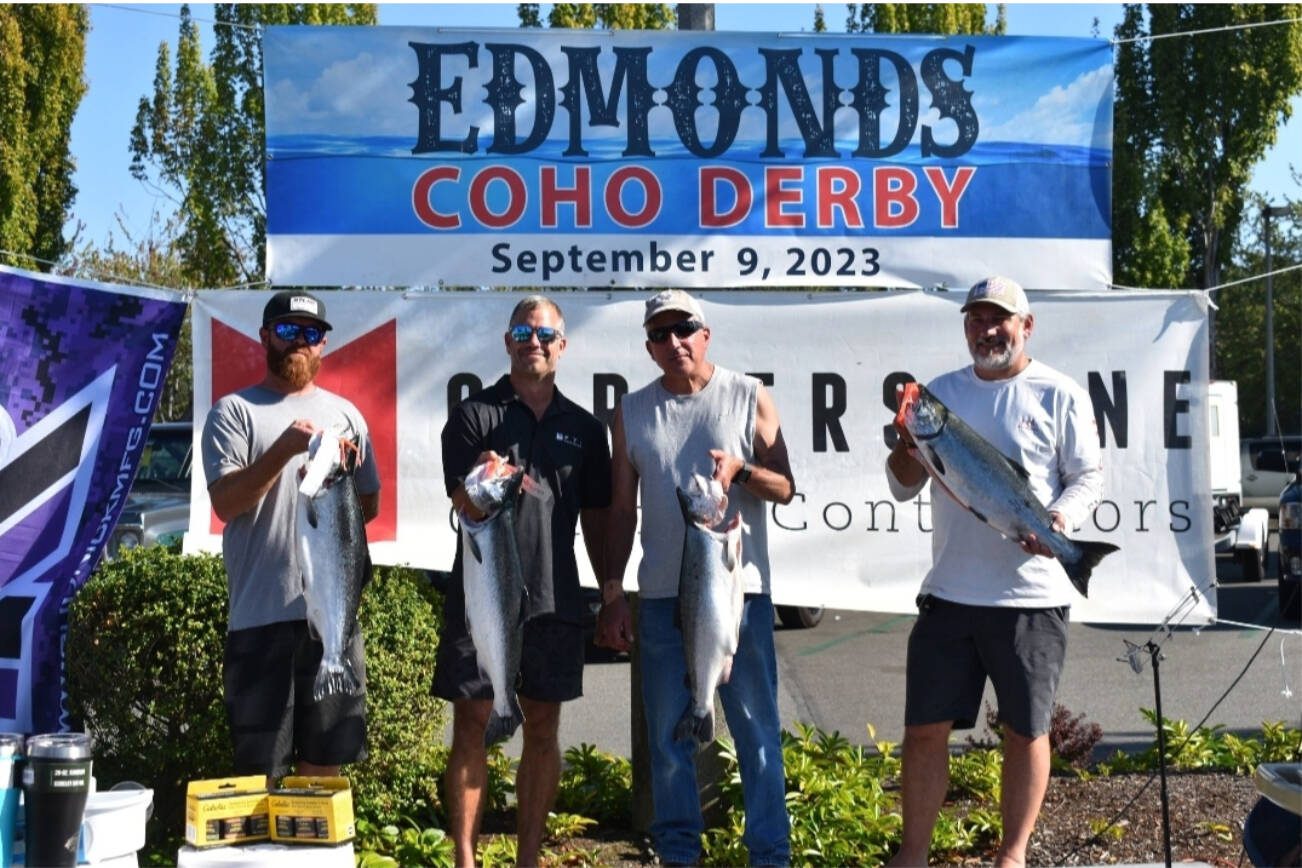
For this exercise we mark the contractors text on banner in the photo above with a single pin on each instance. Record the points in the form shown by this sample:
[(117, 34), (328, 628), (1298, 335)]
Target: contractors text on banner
[(831, 360), (404, 156), (84, 364)]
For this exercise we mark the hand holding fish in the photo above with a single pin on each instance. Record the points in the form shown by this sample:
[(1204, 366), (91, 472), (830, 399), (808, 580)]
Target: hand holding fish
[(297, 437), (1031, 543), (614, 624), (726, 467)]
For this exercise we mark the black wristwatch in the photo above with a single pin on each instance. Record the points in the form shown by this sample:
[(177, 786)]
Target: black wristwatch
[(743, 475)]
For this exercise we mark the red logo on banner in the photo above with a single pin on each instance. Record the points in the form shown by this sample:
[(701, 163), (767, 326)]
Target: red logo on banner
[(365, 371)]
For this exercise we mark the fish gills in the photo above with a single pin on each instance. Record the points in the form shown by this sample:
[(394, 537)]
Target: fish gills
[(988, 484), (493, 578)]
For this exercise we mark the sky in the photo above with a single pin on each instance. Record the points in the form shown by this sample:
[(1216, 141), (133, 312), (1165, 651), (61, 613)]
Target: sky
[(122, 47)]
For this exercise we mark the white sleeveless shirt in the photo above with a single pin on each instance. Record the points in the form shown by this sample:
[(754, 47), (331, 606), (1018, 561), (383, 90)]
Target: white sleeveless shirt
[(668, 438)]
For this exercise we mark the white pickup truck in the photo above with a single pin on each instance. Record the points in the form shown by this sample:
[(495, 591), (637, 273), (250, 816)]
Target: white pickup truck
[(1245, 534)]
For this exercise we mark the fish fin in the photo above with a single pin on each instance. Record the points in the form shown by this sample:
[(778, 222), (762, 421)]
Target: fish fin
[(474, 548), (334, 678), (979, 516), (312, 519), (935, 460), (1091, 553), (502, 727), (726, 672), (1017, 468), (690, 727)]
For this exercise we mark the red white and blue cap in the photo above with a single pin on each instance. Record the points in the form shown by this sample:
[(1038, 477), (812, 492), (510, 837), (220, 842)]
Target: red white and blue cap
[(1001, 292)]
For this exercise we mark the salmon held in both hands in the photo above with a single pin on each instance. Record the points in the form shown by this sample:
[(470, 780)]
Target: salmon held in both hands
[(493, 578), (988, 484), (332, 556), (711, 592)]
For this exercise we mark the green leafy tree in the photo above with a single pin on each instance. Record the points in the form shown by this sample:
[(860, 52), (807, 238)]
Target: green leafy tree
[(612, 16), (201, 135), (945, 18), (1193, 115), (1240, 340), (41, 86)]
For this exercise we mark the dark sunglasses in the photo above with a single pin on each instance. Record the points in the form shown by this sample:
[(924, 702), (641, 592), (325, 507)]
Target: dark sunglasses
[(292, 331), (546, 334), (681, 330)]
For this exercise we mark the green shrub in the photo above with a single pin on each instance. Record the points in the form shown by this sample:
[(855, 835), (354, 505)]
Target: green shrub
[(597, 785), (145, 642)]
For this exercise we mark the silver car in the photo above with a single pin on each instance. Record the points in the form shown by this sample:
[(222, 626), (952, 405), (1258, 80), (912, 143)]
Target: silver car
[(1261, 486), (157, 511)]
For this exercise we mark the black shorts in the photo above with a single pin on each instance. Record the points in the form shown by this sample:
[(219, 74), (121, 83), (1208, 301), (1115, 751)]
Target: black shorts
[(953, 648), (268, 677), (551, 662)]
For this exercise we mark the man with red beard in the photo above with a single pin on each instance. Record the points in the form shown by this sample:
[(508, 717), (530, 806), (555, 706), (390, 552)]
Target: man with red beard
[(254, 444)]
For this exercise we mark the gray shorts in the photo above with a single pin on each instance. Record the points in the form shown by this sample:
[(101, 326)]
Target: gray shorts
[(953, 648)]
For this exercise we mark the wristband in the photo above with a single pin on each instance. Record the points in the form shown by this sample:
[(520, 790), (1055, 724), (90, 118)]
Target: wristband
[(743, 475)]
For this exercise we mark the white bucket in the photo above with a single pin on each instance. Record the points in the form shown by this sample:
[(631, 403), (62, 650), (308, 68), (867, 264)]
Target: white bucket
[(114, 823)]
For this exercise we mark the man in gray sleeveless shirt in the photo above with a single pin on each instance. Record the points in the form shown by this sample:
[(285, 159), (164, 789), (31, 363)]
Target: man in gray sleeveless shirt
[(254, 442), (698, 418)]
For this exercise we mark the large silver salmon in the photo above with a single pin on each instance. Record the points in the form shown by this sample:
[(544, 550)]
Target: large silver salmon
[(991, 486), (711, 593), (493, 578), (332, 558)]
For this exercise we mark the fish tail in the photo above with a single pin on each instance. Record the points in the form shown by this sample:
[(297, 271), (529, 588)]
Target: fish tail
[(1079, 570), (691, 727), (332, 678), (503, 726)]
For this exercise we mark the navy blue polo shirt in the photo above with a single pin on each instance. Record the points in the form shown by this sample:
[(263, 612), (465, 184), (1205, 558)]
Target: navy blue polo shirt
[(566, 452)]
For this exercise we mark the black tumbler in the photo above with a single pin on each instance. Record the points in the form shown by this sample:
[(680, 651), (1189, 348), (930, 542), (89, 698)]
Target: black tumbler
[(56, 782)]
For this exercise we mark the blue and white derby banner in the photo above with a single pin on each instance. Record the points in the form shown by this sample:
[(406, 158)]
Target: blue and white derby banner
[(404, 156)]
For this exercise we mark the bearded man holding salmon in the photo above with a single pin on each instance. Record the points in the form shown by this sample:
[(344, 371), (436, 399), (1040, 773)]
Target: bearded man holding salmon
[(512, 616), (254, 445), (995, 602), (698, 427)]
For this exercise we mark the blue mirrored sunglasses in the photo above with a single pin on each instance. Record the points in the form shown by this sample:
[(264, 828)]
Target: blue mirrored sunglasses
[(681, 330), (546, 334), (291, 331)]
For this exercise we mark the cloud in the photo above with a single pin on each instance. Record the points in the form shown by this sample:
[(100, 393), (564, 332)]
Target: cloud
[(1063, 116)]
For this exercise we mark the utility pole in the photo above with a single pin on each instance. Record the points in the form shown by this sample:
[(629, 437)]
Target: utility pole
[(1272, 421)]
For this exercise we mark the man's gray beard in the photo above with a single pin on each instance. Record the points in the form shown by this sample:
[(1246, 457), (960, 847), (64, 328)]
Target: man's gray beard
[(293, 369), (996, 362)]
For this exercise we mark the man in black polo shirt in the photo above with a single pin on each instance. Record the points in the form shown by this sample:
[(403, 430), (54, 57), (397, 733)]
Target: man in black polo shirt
[(525, 418)]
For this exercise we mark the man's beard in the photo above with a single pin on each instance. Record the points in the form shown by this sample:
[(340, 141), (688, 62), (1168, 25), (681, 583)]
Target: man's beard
[(294, 368), (994, 360)]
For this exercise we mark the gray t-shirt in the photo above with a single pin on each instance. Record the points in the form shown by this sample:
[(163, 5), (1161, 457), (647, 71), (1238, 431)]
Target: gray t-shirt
[(258, 545), (668, 438)]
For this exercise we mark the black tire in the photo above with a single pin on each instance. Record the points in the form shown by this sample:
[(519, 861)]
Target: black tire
[(800, 617), (1290, 601), (1253, 563)]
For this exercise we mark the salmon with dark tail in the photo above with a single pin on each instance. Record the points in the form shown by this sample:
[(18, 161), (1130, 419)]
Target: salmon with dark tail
[(988, 484)]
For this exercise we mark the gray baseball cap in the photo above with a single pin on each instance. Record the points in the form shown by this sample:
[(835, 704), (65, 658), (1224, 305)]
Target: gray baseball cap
[(673, 299)]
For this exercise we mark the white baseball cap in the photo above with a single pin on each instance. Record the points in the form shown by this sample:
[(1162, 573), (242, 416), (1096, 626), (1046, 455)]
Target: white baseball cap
[(673, 299)]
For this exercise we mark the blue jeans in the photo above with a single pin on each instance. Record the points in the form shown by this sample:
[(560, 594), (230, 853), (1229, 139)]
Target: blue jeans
[(750, 704)]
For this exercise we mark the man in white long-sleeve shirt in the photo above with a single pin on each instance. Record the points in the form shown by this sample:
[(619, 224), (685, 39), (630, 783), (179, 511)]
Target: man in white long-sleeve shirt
[(991, 607)]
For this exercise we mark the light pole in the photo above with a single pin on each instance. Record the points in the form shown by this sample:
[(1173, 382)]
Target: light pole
[(1272, 423)]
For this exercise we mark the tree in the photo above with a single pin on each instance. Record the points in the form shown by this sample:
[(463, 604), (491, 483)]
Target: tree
[(943, 18), (1193, 114), (612, 16), (41, 86), (202, 136), (1240, 340)]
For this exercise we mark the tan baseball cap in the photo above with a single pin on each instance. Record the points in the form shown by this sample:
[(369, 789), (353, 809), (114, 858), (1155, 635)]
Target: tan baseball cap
[(673, 299), (1001, 292)]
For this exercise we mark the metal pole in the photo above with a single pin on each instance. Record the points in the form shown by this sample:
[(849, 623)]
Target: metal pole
[(1156, 653)]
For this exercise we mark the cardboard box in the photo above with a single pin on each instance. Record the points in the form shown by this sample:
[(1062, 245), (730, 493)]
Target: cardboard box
[(306, 810), (226, 811)]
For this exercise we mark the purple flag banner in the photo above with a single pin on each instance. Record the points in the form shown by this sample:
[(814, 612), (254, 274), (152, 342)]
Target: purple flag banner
[(83, 367)]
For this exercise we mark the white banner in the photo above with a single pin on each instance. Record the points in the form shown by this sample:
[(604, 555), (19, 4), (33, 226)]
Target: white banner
[(831, 360)]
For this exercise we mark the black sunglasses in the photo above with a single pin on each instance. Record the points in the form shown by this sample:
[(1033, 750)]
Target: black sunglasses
[(546, 334), (291, 331), (682, 330)]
